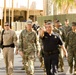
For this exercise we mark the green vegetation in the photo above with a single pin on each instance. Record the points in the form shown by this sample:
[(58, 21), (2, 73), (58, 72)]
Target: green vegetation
[(65, 5)]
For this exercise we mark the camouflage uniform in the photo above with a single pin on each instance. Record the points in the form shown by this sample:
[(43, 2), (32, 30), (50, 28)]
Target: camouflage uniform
[(61, 64), (66, 29), (27, 44), (41, 54), (71, 49), (9, 37)]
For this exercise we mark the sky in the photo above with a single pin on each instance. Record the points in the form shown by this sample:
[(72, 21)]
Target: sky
[(33, 4)]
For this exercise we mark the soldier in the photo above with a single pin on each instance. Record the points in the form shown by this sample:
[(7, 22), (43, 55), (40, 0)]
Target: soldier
[(60, 33), (9, 41), (27, 47), (66, 28), (41, 54), (70, 45)]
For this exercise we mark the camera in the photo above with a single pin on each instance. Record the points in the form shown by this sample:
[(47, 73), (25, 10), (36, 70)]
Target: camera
[(35, 27)]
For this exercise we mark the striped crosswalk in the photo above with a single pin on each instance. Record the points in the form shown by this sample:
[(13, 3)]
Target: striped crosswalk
[(38, 70)]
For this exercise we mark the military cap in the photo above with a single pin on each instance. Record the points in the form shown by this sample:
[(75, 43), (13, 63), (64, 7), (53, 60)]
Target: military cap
[(48, 23), (49, 20), (29, 22), (6, 23), (73, 23)]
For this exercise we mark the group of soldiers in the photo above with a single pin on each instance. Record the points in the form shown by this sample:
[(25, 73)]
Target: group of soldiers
[(30, 43), (67, 34)]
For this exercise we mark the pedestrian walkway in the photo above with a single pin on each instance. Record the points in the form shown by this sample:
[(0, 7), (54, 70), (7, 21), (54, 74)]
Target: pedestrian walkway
[(1, 56), (38, 70), (18, 66)]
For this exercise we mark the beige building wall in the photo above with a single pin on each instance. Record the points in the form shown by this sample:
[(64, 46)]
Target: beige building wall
[(34, 12)]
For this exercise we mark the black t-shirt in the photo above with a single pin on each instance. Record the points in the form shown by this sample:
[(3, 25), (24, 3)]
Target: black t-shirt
[(51, 42)]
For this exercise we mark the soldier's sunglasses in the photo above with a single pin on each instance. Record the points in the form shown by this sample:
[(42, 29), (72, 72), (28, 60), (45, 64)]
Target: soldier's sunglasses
[(6, 25)]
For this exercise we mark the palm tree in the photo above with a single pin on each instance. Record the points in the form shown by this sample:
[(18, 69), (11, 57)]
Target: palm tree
[(64, 5)]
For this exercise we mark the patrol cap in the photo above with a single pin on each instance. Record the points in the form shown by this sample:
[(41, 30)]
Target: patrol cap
[(29, 22), (57, 22), (73, 23), (6, 24)]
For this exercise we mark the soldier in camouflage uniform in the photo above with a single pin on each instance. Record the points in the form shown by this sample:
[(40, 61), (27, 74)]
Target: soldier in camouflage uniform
[(27, 47), (9, 40), (59, 33), (66, 28), (71, 47), (39, 50)]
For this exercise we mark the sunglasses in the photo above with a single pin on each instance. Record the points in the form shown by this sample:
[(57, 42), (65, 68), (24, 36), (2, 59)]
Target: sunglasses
[(6, 25)]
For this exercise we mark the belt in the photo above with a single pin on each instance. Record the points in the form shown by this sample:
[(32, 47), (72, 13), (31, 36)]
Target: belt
[(52, 52), (11, 45)]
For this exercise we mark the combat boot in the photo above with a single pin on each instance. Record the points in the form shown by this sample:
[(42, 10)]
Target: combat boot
[(42, 65), (62, 69)]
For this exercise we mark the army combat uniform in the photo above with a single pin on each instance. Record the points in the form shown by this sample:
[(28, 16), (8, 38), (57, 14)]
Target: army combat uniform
[(27, 44), (41, 59), (71, 49), (66, 29), (61, 63)]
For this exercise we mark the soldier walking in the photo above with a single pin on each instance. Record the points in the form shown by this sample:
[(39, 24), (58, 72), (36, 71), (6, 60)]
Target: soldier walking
[(66, 28), (27, 47), (70, 45), (9, 42), (57, 31)]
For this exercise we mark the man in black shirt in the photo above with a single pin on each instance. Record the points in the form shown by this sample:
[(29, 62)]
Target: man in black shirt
[(51, 43)]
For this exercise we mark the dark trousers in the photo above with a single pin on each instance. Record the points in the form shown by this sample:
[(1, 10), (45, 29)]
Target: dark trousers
[(51, 63)]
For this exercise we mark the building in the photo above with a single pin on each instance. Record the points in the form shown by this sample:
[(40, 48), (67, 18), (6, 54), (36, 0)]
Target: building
[(20, 10)]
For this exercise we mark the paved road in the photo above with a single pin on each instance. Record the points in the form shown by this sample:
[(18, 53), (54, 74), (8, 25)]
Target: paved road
[(38, 70)]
